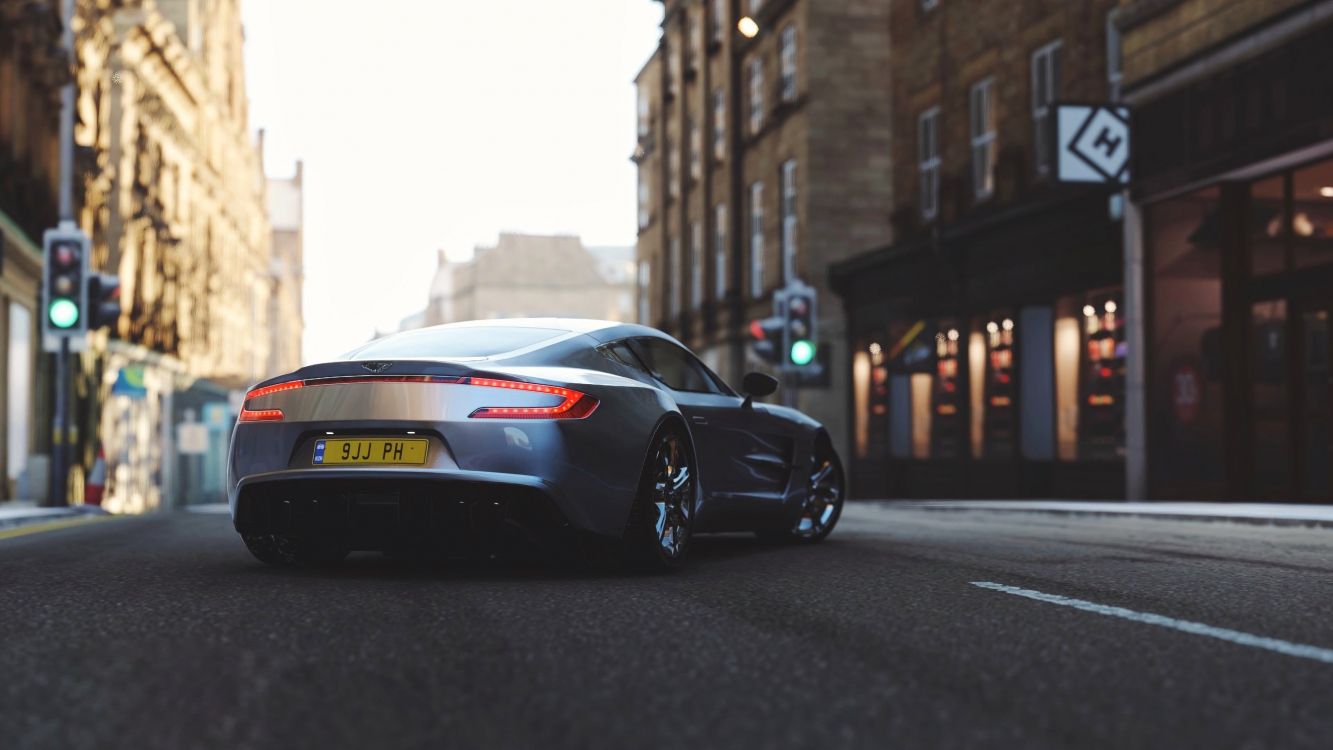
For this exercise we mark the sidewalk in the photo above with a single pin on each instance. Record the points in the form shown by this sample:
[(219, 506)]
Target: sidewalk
[(15, 513), (1266, 514)]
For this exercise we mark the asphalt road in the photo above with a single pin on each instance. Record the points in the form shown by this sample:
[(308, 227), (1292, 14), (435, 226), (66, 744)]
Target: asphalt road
[(162, 632)]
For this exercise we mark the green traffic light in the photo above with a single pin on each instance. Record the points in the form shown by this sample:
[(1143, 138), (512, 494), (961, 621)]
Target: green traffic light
[(802, 353), (63, 313)]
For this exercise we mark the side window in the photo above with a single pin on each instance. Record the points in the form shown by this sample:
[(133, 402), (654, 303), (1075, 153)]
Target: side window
[(673, 366)]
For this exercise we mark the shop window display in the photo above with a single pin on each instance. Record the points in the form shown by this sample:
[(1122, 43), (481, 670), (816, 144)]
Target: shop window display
[(1001, 392), (949, 432), (1312, 215)]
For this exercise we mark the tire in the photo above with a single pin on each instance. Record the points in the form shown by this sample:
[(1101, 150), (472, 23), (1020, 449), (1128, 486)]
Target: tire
[(661, 521), (283, 551), (822, 505)]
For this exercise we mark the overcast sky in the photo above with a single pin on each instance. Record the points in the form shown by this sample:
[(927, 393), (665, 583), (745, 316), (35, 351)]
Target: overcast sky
[(436, 124)]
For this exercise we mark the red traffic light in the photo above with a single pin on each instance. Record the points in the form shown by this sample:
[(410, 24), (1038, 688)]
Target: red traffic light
[(66, 254), (757, 330)]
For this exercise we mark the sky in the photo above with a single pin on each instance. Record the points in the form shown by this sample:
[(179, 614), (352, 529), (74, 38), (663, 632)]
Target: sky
[(437, 124)]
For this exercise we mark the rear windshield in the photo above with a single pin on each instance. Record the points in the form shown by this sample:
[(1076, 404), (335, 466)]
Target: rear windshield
[(482, 341)]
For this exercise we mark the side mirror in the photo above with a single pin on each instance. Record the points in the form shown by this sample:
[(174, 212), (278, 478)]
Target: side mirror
[(757, 384)]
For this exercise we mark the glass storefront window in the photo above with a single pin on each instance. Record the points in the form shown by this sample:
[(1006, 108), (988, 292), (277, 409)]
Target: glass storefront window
[(949, 433), (1312, 215), (1268, 226), (1272, 439), (1000, 392), (1090, 354), (1184, 240), (1316, 419)]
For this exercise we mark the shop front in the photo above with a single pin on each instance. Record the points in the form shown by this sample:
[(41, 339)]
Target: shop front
[(989, 360), (1235, 185), (21, 391)]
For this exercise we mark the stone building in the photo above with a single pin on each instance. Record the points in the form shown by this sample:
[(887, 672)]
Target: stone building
[(531, 276), (762, 159), (1232, 227), (32, 69), (987, 342), (286, 320), (170, 188)]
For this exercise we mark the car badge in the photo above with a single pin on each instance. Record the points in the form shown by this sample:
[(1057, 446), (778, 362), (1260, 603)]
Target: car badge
[(377, 367)]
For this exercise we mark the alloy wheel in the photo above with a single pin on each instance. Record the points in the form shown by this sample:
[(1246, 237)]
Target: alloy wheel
[(673, 496)]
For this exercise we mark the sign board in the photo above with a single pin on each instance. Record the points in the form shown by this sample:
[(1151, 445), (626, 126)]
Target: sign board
[(215, 415), (192, 438), (1092, 143)]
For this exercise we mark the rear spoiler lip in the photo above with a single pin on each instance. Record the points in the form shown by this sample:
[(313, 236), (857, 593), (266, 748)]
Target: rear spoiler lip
[(331, 371)]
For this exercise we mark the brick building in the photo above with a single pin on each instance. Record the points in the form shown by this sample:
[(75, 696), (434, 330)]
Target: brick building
[(1232, 224), (986, 344), (762, 158)]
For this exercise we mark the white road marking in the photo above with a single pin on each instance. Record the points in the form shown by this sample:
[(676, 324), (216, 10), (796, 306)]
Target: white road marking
[(1197, 628)]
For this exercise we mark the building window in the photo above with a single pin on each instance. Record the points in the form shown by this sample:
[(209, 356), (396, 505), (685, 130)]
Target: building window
[(720, 124), (757, 239), (673, 168), (695, 43), (719, 20), (928, 160), (696, 151), (789, 220), (720, 251), (929, 4), (672, 67), (645, 199), (983, 138), (756, 95), (673, 288), (645, 114), (645, 276), (754, 6), (788, 47), (1045, 90), (696, 264)]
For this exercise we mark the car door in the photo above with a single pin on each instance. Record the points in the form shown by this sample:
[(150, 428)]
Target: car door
[(744, 452)]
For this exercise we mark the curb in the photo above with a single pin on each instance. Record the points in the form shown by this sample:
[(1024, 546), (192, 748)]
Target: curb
[(48, 515), (1311, 522)]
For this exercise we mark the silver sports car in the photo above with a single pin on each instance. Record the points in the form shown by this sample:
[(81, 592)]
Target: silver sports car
[(473, 438)]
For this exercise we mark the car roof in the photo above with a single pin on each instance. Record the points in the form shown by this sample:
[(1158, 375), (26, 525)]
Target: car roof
[(572, 325)]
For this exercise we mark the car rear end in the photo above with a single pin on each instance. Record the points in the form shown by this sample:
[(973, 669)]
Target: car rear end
[(438, 455)]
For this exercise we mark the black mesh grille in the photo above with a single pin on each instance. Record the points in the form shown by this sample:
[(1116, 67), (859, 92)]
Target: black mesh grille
[(455, 518)]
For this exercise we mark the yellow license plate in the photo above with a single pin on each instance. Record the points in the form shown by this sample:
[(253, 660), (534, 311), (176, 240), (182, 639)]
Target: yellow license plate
[(370, 450)]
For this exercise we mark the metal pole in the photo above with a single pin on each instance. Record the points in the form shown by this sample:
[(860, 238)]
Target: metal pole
[(60, 439), (67, 117), (1136, 391), (60, 435)]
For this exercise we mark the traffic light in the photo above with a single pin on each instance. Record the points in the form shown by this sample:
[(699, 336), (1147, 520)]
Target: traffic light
[(801, 321), (64, 280), (103, 300), (766, 339)]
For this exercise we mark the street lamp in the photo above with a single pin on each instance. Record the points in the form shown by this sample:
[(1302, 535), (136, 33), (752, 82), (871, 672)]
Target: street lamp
[(748, 27)]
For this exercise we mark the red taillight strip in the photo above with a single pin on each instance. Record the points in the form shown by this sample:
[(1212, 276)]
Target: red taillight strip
[(267, 415), (576, 405)]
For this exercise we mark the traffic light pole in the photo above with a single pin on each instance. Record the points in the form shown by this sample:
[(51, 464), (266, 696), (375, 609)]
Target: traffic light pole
[(59, 484), (60, 436)]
